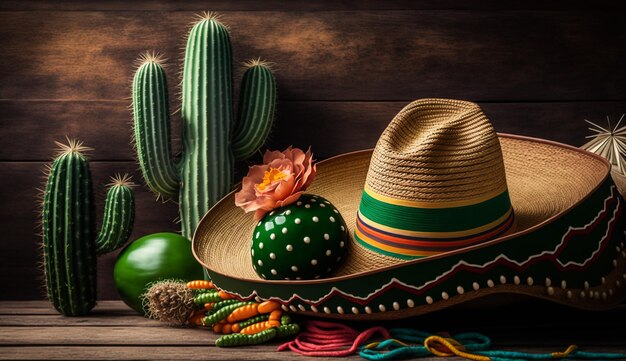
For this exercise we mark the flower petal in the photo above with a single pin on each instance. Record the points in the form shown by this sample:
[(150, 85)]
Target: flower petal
[(284, 188), (269, 156), (259, 214), (289, 200)]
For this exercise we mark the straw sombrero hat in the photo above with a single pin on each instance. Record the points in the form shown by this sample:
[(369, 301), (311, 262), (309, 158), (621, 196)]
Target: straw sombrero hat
[(443, 211)]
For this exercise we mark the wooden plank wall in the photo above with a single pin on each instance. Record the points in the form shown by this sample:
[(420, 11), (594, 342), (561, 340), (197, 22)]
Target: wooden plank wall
[(344, 69)]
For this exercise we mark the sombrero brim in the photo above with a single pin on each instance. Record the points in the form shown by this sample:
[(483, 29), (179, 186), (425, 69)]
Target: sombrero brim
[(566, 246)]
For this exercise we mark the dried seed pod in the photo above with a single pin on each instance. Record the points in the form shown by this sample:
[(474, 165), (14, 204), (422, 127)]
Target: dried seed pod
[(170, 301)]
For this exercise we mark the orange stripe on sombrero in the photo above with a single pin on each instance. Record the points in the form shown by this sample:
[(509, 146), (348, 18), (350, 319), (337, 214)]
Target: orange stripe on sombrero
[(428, 242), (392, 251)]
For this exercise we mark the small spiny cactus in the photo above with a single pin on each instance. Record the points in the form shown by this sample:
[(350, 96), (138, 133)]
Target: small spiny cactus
[(70, 243)]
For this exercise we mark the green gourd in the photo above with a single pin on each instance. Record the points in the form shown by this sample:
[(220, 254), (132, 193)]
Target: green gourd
[(70, 243), (212, 141)]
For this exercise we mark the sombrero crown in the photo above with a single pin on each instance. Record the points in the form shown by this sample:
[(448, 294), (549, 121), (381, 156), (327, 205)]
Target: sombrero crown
[(436, 182)]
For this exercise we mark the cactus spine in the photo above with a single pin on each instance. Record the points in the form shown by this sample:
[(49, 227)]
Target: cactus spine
[(211, 139), (69, 241)]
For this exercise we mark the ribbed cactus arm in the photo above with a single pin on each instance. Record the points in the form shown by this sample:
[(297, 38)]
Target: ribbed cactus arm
[(152, 128), (119, 214), (257, 104)]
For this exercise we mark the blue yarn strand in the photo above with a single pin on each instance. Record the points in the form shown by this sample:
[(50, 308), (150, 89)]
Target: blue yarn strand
[(396, 348), (496, 355), (584, 355)]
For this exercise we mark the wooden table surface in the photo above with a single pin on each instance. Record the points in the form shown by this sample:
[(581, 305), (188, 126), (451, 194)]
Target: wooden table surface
[(32, 330)]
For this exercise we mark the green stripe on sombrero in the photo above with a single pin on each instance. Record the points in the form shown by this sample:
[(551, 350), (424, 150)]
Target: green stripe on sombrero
[(451, 219)]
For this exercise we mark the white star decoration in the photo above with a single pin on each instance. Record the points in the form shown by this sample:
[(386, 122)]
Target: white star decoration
[(609, 143)]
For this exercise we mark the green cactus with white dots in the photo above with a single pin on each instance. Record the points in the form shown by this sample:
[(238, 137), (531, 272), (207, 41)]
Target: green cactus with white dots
[(212, 141), (304, 240)]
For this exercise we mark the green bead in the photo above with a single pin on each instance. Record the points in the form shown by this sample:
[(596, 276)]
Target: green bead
[(304, 240), (219, 305), (287, 330), (207, 297), (238, 339), (222, 313), (253, 320)]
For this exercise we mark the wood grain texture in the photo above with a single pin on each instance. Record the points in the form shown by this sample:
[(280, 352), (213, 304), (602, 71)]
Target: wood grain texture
[(103, 335), (111, 334), (44, 308), (330, 128), (320, 5), (332, 55), (187, 352), (95, 319)]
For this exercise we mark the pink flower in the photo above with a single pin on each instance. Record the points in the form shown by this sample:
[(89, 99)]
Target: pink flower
[(280, 181)]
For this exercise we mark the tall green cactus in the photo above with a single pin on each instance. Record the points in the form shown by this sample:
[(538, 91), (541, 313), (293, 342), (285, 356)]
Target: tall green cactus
[(211, 140), (70, 244)]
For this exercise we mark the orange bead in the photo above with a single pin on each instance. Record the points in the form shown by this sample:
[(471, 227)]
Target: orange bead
[(275, 315), (224, 295), (268, 306), (200, 285)]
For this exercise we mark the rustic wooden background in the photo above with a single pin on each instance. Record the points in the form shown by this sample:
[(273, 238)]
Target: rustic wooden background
[(344, 69)]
